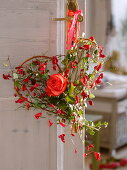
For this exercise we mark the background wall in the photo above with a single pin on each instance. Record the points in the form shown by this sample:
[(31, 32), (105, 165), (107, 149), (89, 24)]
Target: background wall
[(119, 11), (99, 19)]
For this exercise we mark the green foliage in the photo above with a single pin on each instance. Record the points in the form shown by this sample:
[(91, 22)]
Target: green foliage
[(71, 90), (17, 84), (70, 99), (91, 96)]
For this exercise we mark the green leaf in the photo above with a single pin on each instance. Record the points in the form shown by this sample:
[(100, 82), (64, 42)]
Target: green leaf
[(17, 83), (96, 51), (80, 112), (70, 99), (68, 56), (63, 106), (98, 124), (92, 76), (72, 117), (29, 71), (37, 104), (105, 124), (77, 81), (71, 89), (91, 132), (91, 96), (85, 59), (45, 76), (42, 105)]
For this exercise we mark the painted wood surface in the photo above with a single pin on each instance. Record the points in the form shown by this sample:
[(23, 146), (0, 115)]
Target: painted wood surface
[(74, 160), (26, 29)]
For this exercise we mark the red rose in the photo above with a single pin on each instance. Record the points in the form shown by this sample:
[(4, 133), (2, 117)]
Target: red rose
[(62, 137), (87, 47), (50, 123), (74, 64), (24, 87), (85, 155), (42, 66), (27, 106), (89, 147), (56, 85), (92, 38), (54, 67), (54, 60), (62, 124), (90, 102), (102, 55), (7, 77), (97, 156), (84, 80), (38, 115), (66, 72), (21, 71), (101, 76), (98, 81), (76, 99), (60, 111), (84, 95), (34, 87), (21, 100), (123, 162), (98, 67), (72, 134), (26, 80), (88, 55)]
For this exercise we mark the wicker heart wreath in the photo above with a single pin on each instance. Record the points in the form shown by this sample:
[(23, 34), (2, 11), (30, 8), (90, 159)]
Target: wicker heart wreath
[(62, 86)]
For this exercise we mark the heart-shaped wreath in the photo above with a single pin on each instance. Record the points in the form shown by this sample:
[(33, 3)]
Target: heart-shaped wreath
[(61, 85)]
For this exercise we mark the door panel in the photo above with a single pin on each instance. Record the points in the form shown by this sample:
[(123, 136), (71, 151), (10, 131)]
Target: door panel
[(74, 160), (26, 29)]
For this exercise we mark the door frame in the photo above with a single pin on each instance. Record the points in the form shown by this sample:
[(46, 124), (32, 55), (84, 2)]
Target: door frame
[(61, 4)]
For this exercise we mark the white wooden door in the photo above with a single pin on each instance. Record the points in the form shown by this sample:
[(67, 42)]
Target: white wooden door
[(26, 29)]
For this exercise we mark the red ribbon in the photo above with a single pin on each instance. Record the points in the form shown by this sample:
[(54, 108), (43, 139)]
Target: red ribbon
[(73, 28)]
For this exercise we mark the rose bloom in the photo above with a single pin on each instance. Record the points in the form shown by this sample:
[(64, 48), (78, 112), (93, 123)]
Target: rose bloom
[(38, 115), (56, 85), (97, 156)]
